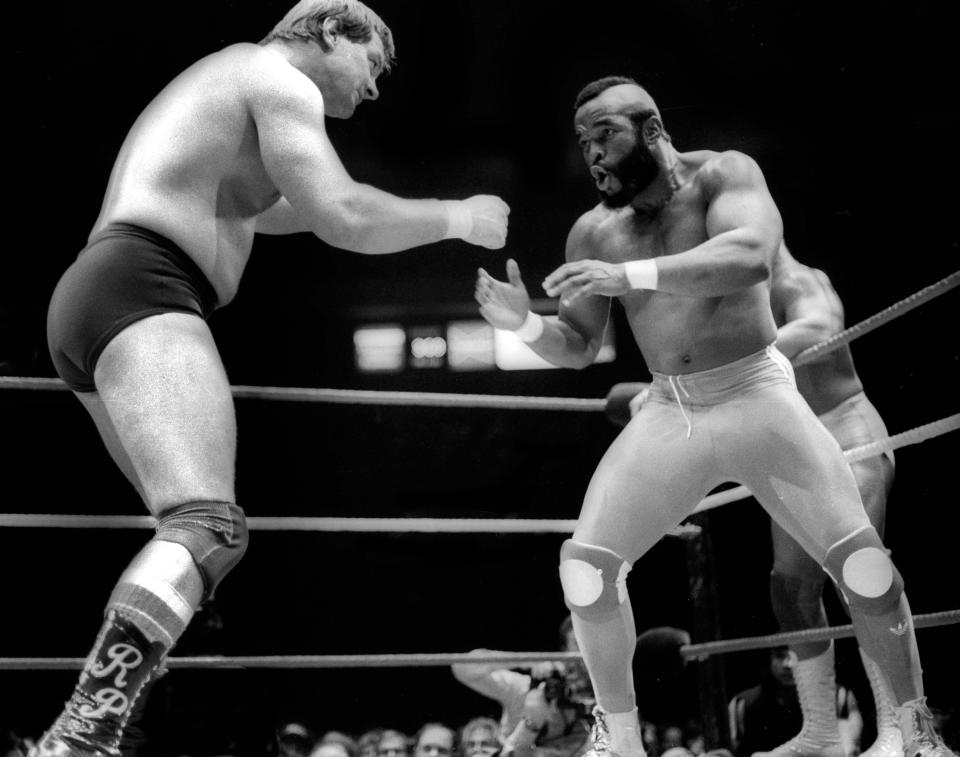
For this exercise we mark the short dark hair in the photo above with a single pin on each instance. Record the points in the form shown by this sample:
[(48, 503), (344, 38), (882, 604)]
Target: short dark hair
[(594, 88)]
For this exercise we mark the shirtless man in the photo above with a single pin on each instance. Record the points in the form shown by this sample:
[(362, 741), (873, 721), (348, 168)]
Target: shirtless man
[(233, 146), (686, 242), (808, 311)]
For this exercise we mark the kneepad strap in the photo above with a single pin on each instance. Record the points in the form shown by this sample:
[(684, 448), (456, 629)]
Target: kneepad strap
[(594, 580), (214, 533), (861, 567)]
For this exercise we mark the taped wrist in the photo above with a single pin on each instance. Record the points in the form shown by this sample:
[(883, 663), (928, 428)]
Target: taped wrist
[(531, 328), (459, 219), (214, 533), (642, 274)]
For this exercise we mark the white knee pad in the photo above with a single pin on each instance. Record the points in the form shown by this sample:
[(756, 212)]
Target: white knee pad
[(864, 572), (594, 580)]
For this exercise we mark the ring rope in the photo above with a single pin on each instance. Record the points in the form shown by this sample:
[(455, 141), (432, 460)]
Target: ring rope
[(705, 649), (506, 401), (688, 651), (853, 455), (456, 525), (366, 396), (878, 319)]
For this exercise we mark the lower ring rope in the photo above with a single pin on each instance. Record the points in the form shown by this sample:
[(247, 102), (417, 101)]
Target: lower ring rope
[(701, 651), (304, 662)]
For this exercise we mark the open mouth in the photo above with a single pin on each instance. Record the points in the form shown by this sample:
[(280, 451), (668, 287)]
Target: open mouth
[(601, 177)]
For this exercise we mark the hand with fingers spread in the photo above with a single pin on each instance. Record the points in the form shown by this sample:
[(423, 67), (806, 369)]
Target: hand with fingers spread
[(571, 281), (505, 304)]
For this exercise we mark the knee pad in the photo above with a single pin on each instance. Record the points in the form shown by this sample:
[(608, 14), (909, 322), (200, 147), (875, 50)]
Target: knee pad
[(594, 580), (214, 533), (864, 572)]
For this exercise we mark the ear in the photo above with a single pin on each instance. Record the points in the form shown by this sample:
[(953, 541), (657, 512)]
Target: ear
[(331, 30), (652, 130)]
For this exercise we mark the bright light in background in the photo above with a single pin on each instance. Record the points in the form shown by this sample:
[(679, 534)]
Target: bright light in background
[(379, 348), (466, 345), (512, 354), (427, 347), (470, 346)]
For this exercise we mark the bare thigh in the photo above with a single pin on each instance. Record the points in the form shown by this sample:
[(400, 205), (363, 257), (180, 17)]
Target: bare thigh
[(650, 479), (164, 409)]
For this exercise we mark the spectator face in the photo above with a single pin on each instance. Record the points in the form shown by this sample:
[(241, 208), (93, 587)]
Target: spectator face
[(392, 745), (480, 742), (782, 662), (435, 741)]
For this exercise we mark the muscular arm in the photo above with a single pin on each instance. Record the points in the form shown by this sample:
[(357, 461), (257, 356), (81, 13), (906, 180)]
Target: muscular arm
[(803, 305), (743, 227), (744, 230), (491, 679), (280, 218), (301, 161), (575, 337)]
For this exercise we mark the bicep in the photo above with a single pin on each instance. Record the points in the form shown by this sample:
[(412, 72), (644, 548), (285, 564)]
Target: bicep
[(294, 147)]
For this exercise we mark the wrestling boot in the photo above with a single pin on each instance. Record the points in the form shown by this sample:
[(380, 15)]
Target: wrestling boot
[(889, 741), (109, 693), (615, 734), (817, 692), (919, 737)]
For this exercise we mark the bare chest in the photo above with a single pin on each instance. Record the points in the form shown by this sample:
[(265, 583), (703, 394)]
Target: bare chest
[(677, 227)]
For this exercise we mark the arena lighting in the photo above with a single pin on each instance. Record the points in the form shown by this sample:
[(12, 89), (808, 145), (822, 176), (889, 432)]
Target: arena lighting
[(465, 345), (380, 348)]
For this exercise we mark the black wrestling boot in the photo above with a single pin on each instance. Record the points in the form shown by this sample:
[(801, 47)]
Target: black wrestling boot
[(110, 688)]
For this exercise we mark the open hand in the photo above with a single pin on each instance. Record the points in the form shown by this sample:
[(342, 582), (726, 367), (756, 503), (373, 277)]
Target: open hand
[(503, 303), (571, 281)]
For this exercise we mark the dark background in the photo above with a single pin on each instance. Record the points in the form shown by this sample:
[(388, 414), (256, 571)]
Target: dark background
[(847, 108)]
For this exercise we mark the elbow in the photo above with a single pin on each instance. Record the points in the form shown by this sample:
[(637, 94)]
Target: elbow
[(757, 262), (344, 223)]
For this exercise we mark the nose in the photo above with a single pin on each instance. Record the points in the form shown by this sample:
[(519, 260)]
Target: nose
[(594, 153), (371, 92)]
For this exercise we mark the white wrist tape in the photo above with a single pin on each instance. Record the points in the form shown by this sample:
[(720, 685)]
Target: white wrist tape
[(459, 220), (531, 329), (642, 274)]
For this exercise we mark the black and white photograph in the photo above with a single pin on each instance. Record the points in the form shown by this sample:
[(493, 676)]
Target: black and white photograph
[(450, 378)]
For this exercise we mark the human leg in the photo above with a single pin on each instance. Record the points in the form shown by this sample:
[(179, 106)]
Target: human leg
[(651, 477), (164, 408), (807, 486)]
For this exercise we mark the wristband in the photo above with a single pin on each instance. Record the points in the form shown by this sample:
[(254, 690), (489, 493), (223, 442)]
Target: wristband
[(531, 328), (642, 274), (459, 220)]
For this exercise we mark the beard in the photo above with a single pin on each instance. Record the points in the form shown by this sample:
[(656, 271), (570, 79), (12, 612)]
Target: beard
[(634, 172)]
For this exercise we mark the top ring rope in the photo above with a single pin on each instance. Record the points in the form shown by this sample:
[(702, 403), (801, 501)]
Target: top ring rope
[(506, 401), (878, 319), (458, 525)]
